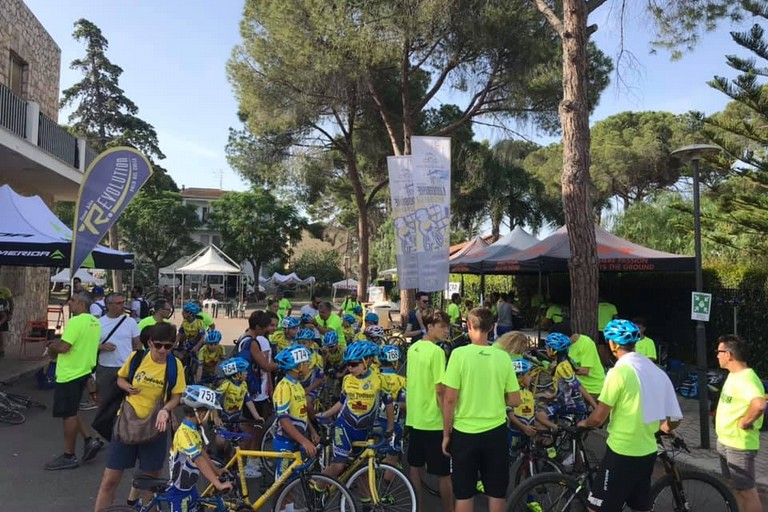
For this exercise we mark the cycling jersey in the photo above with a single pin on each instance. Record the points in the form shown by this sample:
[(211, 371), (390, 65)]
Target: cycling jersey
[(279, 339), (525, 412), (191, 331), (349, 334), (290, 402), (234, 396), (567, 386), (210, 356), (394, 386), (186, 448), (360, 398), (333, 359), (316, 369)]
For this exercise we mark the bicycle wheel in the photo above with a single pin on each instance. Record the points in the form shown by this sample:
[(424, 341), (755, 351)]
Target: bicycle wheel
[(525, 469), (549, 492), (11, 416), (267, 445), (25, 401), (700, 491), (305, 494), (394, 490)]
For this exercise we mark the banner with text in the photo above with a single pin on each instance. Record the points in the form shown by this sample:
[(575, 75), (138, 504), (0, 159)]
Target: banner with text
[(110, 183), (404, 220)]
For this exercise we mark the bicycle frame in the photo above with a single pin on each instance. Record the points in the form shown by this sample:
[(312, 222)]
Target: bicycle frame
[(237, 460), (368, 454)]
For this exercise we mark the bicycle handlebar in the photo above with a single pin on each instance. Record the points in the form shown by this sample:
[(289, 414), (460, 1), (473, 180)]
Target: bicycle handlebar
[(232, 436)]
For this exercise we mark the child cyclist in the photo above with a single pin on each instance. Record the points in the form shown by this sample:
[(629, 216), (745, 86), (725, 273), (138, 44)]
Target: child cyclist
[(371, 318), (188, 458), (294, 431), (524, 418), (209, 357), (394, 386), (334, 367), (357, 409), (570, 394), (349, 327), (285, 338), (234, 396), (375, 334), (314, 378), (192, 330)]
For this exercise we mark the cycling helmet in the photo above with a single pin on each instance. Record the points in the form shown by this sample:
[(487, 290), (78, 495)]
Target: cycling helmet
[(390, 353), (200, 397), (97, 291), (290, 323), (355, 352), (374, 331), (370, 349), (331, 339), (306, 318), (349, 319), (305, 334), (213, 337), (291, 357), (372, 318), (522, 366), (192, 308), (621, 332), (558, 341), (233, 366), (357, 309)]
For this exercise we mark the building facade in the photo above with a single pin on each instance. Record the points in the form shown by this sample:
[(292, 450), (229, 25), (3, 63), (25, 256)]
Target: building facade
[(202, 199)]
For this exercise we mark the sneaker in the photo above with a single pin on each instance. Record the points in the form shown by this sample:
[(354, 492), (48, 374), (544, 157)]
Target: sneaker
[(62, 462), (91, 448), (88, 405)]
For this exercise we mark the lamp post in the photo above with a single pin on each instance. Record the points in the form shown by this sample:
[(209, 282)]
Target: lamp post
[(694, 154)]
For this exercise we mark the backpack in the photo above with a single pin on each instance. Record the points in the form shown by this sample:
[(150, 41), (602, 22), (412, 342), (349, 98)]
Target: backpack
[(104, 422), (242, 349), (143, 307)]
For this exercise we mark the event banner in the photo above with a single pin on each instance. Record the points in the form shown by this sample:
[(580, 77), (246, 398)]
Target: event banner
[(112, 180), (431, 170), (404, 220)]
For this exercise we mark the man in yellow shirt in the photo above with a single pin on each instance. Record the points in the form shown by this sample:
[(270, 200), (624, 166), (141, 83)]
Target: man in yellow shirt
[(454, 309), (645, 345), (739, 418)]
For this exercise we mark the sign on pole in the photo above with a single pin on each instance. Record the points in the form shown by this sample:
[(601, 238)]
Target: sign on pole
[(701, 305), (453, 287), (404, 220)]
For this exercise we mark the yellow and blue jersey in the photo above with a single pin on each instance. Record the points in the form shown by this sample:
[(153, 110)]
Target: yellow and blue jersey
[(393, 386), (187, 446), (525, 412), (316, 369), (360, 398), (567, 386), (192, 330), (234, 396), (290, 402), (210, 356)]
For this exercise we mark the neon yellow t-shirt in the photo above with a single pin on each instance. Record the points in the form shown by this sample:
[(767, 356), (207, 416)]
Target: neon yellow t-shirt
[(584, 354), (483, 376), (349, 305), (738, 390), (206, 318), (233, 395), (647, 347), (424, 371), (334, 322), (82, 333), (150, 379), (149, 322), (554, 313), (627, 433), (454, 313), (187, 446), (605, 313), (290, 402), (283, 307)]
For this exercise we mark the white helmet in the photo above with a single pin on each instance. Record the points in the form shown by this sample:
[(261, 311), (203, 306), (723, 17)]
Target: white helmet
[(200, 397)]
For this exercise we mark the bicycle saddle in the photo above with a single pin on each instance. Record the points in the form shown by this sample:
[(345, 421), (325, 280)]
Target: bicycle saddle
[(149, 483)]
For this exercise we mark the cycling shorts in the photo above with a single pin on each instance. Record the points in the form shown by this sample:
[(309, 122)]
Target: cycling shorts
[(344, 435), (283, 444)]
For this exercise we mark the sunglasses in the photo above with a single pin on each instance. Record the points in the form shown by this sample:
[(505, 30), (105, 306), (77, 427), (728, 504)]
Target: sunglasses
[(354, 364), (164, 346)]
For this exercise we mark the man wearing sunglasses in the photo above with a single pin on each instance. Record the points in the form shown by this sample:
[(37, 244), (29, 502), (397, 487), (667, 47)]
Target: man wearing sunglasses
[(119, 337), (416, 328)]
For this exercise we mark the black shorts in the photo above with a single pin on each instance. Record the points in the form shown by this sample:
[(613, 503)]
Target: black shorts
[(66, 397), (486, 454), (621, 480), (425, 448)]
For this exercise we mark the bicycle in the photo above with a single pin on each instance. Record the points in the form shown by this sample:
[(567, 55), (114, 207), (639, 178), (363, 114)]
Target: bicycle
[(12, 404), (677, 490)]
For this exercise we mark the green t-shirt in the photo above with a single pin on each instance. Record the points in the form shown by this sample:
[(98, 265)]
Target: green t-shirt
[(424, 371), (348, 306), (483, 376), (206, 318), (149, 322), (584, 354), (283, 307), (334, 322), (82, 333), (605, 313), (454, 313), (627, 433), (554, 313), (647, 347), (739, 389)]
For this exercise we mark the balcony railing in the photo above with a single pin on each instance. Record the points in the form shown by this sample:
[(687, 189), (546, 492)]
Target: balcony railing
[(47, 135), (13, 112)]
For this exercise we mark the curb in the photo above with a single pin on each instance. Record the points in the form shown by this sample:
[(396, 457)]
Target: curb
[(18, 372)]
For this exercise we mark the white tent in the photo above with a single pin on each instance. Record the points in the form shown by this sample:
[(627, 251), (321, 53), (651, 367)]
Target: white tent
[(290, 280), (207, 261), (85, 277), (347, 284)]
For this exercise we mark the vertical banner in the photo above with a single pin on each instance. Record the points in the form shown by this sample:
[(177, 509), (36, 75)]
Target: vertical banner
[(110, 183), (431, 165), (404, 220)]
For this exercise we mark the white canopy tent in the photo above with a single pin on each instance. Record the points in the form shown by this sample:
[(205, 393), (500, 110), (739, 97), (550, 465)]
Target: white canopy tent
[(82, 274), (347, 285), (287, 280), (207, 261)]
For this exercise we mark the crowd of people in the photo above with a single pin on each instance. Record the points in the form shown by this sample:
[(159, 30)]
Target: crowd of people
[(465, 411)]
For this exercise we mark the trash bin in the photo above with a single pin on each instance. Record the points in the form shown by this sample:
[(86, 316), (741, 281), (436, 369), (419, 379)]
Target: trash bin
[(383, 309)]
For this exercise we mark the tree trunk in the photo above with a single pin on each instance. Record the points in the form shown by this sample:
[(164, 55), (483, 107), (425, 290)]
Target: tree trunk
[(574, 116), (363, 230), (117, 275), (256, 265)]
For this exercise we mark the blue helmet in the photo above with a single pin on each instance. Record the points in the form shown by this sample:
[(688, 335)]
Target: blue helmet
[(192, 308), (522, 366), (372, 318), (358, 309), (290, 323), (213, 337), (621, 332), (390, 353), (370, 349), (349, 319), (306, 318), (305, 334), (558, 341), (355, 352), (330, 339), (233, 366), (97, 291), (291, 357)]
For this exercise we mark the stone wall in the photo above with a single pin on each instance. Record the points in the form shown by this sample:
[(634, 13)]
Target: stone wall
[(23, 34)]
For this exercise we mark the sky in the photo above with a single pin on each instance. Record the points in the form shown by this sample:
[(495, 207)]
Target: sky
[(173, 54)]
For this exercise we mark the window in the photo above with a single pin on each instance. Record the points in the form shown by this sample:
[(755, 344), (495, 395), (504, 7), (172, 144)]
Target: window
[(204, 215), (216, 240), (16, 69)]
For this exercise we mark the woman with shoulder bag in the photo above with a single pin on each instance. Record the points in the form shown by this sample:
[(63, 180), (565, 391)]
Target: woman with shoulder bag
[(152, 390)]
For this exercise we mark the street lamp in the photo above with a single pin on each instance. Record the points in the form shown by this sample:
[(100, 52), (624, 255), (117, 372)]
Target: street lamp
[(694, 154)]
